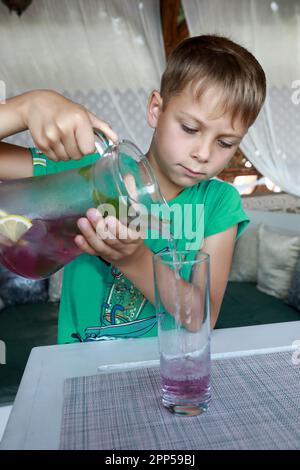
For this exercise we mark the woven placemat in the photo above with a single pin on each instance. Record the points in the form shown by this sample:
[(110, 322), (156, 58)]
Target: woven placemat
[(255, 405)]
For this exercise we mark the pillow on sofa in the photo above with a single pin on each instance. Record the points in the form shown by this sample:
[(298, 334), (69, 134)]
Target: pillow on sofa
[(294, 292), (278, 252), (15, 290), (244, 262)]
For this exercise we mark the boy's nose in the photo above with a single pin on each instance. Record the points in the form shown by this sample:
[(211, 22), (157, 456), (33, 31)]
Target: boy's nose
[(201, 156), (201, 152)]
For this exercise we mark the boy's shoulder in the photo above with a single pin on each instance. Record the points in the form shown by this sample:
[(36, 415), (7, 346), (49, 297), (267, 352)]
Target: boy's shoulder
[(215, 189), (222, 194), (213, 192), (223, 207), (216, 184)]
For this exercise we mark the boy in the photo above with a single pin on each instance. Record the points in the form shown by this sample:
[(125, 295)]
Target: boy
[(211, 92)]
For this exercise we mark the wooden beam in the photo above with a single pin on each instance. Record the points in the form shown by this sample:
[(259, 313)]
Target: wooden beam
[(172, 32), (182, 31), (239, 172)]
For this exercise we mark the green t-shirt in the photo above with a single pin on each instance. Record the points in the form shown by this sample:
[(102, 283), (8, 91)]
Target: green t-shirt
[(97, 300)]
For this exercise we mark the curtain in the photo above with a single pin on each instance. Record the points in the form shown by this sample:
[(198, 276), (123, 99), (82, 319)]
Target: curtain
[(271, 31), (105, 54)]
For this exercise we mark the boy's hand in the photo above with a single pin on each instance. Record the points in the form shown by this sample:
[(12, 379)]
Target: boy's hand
[(110, 239), (60, 128)]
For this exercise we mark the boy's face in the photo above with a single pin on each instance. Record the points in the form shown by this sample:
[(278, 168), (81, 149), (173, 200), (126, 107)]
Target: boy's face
[(193, 140)]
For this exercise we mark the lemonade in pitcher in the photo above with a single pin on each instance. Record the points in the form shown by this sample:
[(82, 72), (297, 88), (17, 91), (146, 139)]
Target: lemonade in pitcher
[(38, 216)]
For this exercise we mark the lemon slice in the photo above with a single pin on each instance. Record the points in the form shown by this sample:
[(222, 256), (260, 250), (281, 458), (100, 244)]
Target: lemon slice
[(13, 227), (2, 213)]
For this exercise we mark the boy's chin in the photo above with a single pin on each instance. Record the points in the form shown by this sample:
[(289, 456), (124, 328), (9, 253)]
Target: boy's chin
[(186, 181)]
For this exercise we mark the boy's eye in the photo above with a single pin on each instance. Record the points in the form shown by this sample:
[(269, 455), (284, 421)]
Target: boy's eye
[(189, 130), (225, 145)]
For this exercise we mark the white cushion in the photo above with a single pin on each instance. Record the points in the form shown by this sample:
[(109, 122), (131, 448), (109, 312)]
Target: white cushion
[(278, 252), (244, 262), (55, 283)]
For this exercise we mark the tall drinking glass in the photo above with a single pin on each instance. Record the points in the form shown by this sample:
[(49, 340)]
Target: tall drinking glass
[(182, 300)]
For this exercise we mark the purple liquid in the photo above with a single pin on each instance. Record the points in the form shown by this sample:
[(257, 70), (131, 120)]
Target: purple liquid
[(45, 248), (186, 389), (186, 380)]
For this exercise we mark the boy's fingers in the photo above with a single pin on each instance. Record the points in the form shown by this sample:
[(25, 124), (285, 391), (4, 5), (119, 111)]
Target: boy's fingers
[(51, 153), (94, 216), (111, 228), (104, 127), (117, 229), (71, 147), (103, 231), (83, 245), (48, 152), (85, 138), (123, 233), (60, 152), (94, 241)]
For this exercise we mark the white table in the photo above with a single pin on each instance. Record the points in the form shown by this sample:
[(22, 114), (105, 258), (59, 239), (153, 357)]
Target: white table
[(35, 419)]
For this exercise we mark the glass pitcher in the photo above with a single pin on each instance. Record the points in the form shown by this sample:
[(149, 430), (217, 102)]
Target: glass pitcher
[(38, 216)]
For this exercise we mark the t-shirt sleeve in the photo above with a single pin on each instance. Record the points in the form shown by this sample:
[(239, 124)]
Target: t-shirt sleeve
[(42, 165), (223, 209)]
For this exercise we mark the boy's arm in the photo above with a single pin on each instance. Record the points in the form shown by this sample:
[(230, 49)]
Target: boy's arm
[(15, 162), (60, 128), (220, 247), (12, 116), (134, 258)]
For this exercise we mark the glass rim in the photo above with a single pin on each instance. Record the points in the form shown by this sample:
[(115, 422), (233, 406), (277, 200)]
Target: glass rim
[(204, 257)]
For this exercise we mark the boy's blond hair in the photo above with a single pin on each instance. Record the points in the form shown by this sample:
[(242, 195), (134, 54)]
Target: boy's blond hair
[(210, 60)]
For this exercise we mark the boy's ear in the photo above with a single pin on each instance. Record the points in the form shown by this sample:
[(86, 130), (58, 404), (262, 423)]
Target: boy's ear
[(154, 108)]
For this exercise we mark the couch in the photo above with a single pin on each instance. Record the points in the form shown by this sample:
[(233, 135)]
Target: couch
[(23, 327), (252, 296)]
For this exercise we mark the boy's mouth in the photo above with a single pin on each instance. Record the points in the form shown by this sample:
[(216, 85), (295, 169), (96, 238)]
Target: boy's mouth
[(190, 172)]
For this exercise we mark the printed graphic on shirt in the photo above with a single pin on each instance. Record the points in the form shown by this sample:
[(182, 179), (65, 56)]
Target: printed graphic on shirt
[(124, 302), (121, 311)]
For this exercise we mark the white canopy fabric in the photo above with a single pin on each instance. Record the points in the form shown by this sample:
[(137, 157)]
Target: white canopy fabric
[(106, 54)]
